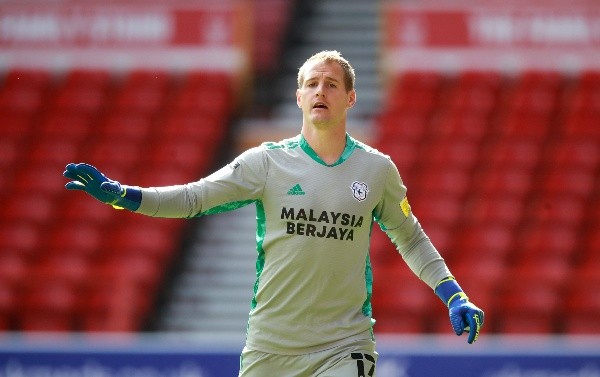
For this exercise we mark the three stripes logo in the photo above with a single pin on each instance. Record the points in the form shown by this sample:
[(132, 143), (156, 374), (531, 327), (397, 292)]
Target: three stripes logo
[(296, 190)]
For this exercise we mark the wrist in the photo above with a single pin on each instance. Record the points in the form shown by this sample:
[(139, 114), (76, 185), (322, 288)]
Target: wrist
[(450, 292), (130, 198)]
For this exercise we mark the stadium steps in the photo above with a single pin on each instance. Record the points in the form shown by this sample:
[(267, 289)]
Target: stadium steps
[(214, 291)]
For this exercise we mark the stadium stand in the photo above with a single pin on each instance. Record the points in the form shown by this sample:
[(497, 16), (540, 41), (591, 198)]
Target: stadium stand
[(502, 169), (60, 272)]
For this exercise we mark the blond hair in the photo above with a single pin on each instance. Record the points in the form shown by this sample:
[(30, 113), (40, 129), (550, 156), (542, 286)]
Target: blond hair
[(329, 57)]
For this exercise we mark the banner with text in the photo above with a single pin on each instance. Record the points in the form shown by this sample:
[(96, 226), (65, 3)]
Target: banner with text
[(494, 35), (128, 34)]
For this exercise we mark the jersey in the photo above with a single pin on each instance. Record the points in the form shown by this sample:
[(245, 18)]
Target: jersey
[(314, 220)]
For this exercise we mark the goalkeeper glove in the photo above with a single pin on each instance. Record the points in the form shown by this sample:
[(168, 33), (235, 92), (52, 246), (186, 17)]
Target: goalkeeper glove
[(464, 316), (89, 179)]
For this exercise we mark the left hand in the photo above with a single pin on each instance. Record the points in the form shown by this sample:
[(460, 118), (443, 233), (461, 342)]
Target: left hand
[(465, 316)]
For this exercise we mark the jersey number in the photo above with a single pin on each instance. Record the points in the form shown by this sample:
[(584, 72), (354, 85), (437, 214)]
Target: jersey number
[(360, 363)]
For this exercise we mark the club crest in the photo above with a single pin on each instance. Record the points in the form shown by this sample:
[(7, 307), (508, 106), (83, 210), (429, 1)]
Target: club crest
[(359, 190)]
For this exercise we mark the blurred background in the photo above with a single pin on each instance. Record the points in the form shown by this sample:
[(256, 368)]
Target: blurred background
[(490, 109)]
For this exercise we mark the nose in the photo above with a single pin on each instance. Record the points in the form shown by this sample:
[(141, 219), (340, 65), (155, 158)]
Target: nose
[(320, 91)]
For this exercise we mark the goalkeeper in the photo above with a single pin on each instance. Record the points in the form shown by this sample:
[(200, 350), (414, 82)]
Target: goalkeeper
[(317, 196)]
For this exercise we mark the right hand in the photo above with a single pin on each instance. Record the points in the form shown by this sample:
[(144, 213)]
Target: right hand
[(87, 178)]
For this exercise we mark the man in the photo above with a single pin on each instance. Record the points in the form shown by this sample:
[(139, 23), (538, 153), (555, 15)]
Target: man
[(317, 196)]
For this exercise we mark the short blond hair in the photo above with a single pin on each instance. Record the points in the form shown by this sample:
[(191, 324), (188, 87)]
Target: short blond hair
[(329, 57)]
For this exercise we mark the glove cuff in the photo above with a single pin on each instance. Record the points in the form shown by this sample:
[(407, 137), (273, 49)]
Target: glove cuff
[(449, 291), (130, 199)]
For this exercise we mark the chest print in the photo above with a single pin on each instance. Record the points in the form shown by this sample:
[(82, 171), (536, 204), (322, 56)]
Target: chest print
[(359, 190)]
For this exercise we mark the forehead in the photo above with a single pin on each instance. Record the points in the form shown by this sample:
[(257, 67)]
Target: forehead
[(330, 70)]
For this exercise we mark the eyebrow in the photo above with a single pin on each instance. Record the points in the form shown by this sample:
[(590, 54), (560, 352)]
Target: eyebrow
[(327, 78)]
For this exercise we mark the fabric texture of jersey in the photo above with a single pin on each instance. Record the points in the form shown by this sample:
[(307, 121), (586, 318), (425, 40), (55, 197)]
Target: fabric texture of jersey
[(314, 280)]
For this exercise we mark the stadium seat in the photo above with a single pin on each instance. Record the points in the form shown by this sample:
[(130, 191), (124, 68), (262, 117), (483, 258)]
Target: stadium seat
[(583, 310), (80, 99), (24, 237), (529, 310), (490, 240), (450, 153), (463, 125), (21, 99), (69, 127), (48, 305), (570, 154), (512, 152), (403, 307), (502, 208), (504, 179), (130, 126)]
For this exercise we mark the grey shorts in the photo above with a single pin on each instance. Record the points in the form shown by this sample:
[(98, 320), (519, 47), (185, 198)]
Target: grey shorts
[(353, 360)]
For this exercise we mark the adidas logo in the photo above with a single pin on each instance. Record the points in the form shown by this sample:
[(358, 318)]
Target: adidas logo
[(296, 190)]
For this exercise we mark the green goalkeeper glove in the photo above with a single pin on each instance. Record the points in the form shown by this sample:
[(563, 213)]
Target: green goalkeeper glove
[(464, 316), (89, 179)]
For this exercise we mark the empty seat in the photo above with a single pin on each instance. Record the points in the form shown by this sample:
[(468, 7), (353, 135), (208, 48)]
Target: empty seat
[(70, 127), (503, 208), (449, 153), (503, 180), (528, 309), (582, 312), (487, 240), (126, 125)]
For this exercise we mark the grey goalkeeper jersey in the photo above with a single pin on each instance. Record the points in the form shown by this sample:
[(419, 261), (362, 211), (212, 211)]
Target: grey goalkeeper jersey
[(314, 278)]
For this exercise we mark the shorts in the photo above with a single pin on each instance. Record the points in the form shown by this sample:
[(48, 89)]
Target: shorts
[(356, 359)]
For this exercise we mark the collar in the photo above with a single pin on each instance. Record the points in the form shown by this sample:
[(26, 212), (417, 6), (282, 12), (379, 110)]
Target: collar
[(350, 145)]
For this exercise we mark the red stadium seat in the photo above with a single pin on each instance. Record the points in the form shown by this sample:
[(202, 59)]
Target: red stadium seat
[(529, 309), (48, 305), (460, 125), (70, 127), (403, 308), (508, 152), (85, 99), (503, 208), (491, 240), (583, 310), (27, 77), (24, 237), (505, 179), (402, 126), (580, 154), (21, 99), (449, 180), (126, 125), (450, 153)]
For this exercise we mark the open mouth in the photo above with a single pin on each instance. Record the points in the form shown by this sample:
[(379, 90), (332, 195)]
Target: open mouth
[(319, 105)]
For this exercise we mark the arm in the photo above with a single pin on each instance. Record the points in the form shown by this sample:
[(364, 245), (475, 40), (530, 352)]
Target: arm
[(231, 187), (397, 220)]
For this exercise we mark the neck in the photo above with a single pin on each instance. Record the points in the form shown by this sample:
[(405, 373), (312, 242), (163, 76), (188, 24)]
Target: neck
[(327, 144)]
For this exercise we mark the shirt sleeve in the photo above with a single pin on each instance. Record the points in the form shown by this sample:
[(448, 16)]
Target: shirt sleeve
[(396, 219), (233, 186)]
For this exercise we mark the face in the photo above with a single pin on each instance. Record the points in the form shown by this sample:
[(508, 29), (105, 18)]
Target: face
[(323, 97)]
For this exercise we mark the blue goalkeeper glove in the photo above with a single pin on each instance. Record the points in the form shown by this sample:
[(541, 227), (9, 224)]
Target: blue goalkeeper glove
[(464, 316), (89, 179)]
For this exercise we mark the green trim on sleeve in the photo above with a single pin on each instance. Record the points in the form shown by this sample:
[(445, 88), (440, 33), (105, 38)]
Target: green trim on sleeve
[(261, 230), (226, 207)]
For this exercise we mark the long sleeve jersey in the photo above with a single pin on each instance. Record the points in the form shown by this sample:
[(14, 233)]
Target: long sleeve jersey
[(313, 224)]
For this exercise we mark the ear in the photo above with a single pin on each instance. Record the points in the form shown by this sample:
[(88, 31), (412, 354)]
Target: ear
[(298, 98), (351, 98)]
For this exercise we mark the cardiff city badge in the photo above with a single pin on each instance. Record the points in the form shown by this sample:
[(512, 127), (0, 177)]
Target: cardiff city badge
[(359, 190)]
